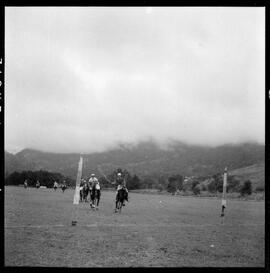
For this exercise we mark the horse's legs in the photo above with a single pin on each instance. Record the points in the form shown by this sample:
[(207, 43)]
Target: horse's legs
[(92, 201), (120, 206)]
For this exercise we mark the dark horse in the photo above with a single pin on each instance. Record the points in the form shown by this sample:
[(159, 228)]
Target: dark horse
[(95, 196), (84, 193), (64, 187), (120, 198)]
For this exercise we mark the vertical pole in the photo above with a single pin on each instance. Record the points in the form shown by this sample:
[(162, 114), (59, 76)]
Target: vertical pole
[(76, 198), (223, 202)]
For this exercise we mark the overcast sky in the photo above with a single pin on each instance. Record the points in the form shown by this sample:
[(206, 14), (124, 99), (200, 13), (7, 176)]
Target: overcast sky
[(83, 79)]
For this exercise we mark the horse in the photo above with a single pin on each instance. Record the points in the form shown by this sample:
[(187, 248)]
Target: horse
[(95, 196), (84, 192), (120, 198), (64, 188)]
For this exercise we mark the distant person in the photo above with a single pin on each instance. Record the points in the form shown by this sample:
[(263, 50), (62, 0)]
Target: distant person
[(37, 184), (64, 186), (25, 183), (55, 185)]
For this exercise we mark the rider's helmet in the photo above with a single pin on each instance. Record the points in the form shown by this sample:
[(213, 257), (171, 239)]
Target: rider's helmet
[(119, 174), (92, 175)]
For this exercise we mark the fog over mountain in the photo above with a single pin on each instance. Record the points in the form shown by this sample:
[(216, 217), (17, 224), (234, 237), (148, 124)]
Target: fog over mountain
[(86, 79)]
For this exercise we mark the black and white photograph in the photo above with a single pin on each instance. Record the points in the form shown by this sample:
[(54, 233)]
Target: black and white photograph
[(134, 136)]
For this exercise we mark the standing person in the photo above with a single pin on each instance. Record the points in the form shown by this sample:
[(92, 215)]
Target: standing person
[(25, 183), (37, 184), (120, 182), (64, 186), (55, 185), (93, 181)]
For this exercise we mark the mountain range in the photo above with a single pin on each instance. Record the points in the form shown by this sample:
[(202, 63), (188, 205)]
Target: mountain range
[(144, 159)]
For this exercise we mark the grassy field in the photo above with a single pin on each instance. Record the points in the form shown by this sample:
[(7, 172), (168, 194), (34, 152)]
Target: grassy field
[(153, 230)]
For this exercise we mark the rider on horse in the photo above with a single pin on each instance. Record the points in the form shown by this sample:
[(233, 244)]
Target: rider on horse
[(93, 182), (64, 185), (121, 184)]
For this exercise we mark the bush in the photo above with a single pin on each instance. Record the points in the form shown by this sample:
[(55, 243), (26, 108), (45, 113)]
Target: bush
[(246, 189), (134, 183), (233, 184), (194, 184), (196, 190), (204, 187), (259, 188), (175, 183), (216, 184)]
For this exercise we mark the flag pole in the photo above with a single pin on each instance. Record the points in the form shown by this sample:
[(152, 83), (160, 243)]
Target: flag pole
[(76, 198), (223, 201)]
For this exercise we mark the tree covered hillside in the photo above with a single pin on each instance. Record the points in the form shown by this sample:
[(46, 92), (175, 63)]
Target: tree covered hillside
[(143, 159)]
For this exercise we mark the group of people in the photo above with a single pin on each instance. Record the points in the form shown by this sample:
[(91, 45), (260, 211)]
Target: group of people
[(93, 184), (55, 185), (63, 185)]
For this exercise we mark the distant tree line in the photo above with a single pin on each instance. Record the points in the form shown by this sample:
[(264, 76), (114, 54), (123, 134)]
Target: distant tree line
[(44, 177), (176, 183), (171, 183)]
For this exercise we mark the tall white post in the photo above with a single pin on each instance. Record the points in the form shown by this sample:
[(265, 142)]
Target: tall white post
[(76, 198), (223, 202)]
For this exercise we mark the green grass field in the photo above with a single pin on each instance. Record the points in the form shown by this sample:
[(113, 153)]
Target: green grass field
[(152, 230)]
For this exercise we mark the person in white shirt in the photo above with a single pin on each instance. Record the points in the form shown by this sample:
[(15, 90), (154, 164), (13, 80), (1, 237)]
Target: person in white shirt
[(93, 181), (55, 185)]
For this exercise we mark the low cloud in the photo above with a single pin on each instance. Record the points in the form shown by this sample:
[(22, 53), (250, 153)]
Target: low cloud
[(104, 76)]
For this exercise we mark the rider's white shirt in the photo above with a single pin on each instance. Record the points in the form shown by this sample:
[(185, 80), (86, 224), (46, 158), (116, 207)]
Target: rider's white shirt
[(94, 179)]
